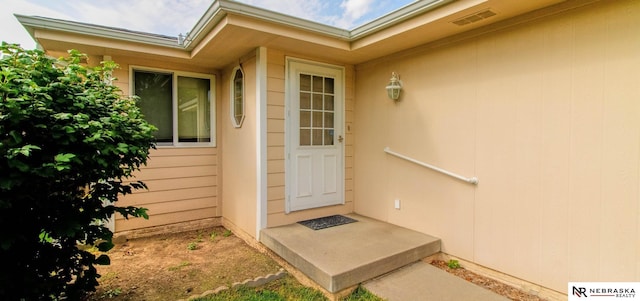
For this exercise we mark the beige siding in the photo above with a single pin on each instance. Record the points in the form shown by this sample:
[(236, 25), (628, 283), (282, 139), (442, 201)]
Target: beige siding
[(183, 187), (276, 151), (546, 115), (183, 182), (239, 192)]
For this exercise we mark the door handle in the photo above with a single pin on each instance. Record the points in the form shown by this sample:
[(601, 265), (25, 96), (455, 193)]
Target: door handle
[(340, 138)]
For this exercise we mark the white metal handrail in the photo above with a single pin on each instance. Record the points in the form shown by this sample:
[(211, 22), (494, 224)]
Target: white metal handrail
[(472, 180)]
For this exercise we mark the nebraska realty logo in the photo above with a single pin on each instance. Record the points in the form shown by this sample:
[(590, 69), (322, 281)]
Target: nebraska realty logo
[(603, 291)]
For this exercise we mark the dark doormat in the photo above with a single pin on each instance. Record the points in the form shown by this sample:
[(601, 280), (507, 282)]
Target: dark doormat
[(327, 222)]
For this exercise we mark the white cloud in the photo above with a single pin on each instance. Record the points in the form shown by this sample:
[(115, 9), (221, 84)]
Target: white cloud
[(313, 10), (171, 17), (353, 11), (340, 13), (10, 29)]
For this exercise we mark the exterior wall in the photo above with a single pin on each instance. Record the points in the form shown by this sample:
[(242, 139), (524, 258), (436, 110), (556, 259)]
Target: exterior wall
[(545, 114), (239, 152), (183, 182), (276, 62)]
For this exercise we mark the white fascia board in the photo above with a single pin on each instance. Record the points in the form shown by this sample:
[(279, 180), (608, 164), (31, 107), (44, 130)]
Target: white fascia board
[(32, 22), (209, 19), (287, 20), (409, 11)]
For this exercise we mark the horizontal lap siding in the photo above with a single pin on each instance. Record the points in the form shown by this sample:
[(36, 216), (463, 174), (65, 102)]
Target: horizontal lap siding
[(349, 106), (182, 186), (182, 182), (276, 149), (275, 127)]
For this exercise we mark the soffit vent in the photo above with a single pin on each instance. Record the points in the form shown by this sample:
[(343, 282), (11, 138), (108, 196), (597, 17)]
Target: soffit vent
[(481, 15)]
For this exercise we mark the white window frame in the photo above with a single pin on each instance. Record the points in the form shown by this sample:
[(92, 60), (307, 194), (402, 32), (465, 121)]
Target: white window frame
[(232, 97), (174, 105)]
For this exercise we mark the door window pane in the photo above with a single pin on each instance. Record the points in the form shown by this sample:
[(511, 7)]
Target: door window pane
[(305, 82), (317, 119), (305, 100), (328, 120), (328, 102), (317, 137), (305, 137), (328, 85), (317, 101), (305, 119), (317, 85), (328, 137)]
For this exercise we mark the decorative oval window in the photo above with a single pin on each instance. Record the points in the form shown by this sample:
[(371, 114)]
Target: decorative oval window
[(237, 97)]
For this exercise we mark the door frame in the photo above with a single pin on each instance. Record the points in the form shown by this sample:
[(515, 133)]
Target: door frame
[(290, 131)]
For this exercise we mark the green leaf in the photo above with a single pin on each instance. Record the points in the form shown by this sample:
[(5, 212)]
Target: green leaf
[(69, 129), (64, 158), (5, 183), (103, 260), (45, 237), (26, 150), (62, 116), (21, 166), (17, 137), (105, 246), (123, 148), (142, 212)]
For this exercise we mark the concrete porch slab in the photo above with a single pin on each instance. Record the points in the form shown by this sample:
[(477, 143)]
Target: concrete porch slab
[(339, 257)]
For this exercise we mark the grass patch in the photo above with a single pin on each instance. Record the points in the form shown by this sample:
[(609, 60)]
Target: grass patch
[(112, 293), (192, 246), (285, 289), (453, 264), (362, 294), (180, 266)]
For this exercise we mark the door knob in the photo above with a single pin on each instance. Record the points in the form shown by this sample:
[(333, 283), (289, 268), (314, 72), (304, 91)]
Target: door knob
[(340, 138)]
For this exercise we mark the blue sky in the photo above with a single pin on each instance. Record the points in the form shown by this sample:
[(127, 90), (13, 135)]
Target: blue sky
[(172, 17)]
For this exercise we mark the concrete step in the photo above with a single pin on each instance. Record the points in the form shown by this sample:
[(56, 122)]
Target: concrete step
[(340, 257), (422, 281)]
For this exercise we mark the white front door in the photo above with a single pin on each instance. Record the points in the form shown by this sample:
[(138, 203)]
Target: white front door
[(314, 144)]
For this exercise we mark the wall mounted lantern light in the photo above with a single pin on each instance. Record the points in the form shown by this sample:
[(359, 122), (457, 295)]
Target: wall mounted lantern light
[(394, 87)]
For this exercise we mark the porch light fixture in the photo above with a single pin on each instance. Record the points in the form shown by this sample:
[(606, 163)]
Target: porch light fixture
[(394, 87)]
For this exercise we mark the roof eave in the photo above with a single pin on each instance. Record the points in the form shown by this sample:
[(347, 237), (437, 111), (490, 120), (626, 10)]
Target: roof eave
[(404, 13), (217, 12), (220, 8), (31, 23)]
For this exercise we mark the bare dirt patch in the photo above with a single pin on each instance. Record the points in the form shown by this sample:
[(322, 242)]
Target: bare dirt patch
[(488, 283), (178, 265)]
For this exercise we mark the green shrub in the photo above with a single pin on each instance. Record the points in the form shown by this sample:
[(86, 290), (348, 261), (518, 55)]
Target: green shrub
[(192, 246), (68, 142), (453, 264)]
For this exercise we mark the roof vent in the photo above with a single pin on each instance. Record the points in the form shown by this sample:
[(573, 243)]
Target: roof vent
[(481, 15)]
